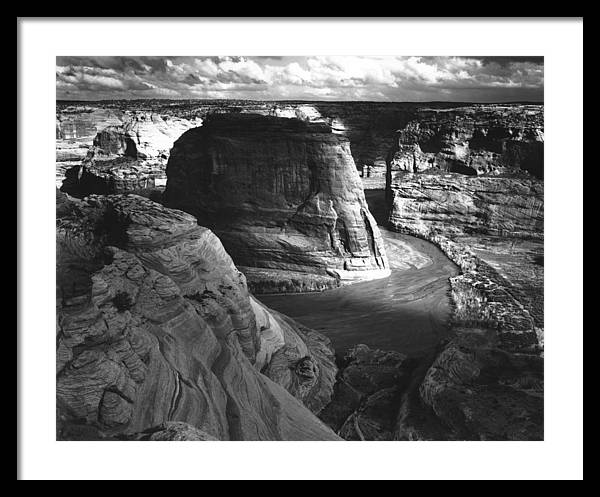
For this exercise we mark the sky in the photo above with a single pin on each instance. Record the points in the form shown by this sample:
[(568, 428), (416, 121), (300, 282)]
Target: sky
[(396, 79)]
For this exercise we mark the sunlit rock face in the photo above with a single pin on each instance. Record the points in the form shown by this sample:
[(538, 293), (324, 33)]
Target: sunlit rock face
[(128, 157), (155, 325), (469, 170), (82, 123), (76, 128), (283, 195), (302, 112), (472, 140), (455, 204), (143, 136)]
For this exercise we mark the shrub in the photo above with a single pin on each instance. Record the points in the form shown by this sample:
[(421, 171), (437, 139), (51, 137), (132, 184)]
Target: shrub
[(123, 301)]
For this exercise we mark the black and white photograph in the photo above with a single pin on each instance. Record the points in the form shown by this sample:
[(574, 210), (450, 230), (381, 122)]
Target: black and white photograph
[(304, 247)]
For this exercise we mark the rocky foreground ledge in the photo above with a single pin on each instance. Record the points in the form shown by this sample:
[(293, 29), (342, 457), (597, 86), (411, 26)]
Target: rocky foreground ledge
[(285, 198), (155, 325)]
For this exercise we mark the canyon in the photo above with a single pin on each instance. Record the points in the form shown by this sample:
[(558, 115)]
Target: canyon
[(299, 271)]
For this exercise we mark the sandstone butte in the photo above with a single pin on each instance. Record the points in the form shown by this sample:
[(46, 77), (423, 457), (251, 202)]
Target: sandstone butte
[(284, 197), (155, 325)]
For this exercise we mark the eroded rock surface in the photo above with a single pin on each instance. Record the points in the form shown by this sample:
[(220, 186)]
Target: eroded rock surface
[(368, 394), (486, 380), (481, 391), (456, 205), (126, 156), (284, 197), (472, 140), (172, 431), (155, 324)]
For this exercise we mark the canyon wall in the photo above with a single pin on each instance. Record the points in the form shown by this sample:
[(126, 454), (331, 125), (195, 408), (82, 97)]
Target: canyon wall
[(76, 128), (283, 195), (472, 184), (472, 140), (155, 326), (485, 379), (128, 152), (456, 204), (477, 137)]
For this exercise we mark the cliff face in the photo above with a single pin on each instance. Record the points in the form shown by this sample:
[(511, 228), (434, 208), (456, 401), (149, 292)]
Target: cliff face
[(472, 140), (76, 128), (155, 325), (143, 136), (283, 195), (456, 204), (127, 156), (370, 126), (470, 181)]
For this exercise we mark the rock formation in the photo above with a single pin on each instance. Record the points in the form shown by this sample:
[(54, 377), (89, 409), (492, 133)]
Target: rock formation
[(143, 136), (493, 136), (173, 432), (486, 381), (76, 128), (158, 337), (368, 394), (470, 181), (302, 112), (481, 391), (284, 197), (457, 204), (472, 140), (127, 157), (155, 325), (370, 126), (115, 175)]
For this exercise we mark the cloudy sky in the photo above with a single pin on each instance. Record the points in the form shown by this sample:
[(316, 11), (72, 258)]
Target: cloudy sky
[(475, 79)]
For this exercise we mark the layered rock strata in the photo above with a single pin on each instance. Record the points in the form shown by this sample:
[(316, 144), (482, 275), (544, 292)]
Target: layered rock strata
[(143, 136), (126, 157), (497, 136), (472, 140), (456, 205), (486, 381), (155, 325), (284, 197)]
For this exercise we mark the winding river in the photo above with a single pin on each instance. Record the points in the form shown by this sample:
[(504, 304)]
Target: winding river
[(406, 312)]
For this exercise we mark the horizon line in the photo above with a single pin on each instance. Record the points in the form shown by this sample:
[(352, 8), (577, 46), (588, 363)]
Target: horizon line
[(534, 102)]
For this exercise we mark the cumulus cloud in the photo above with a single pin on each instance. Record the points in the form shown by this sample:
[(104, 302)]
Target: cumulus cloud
[(462, 78)]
